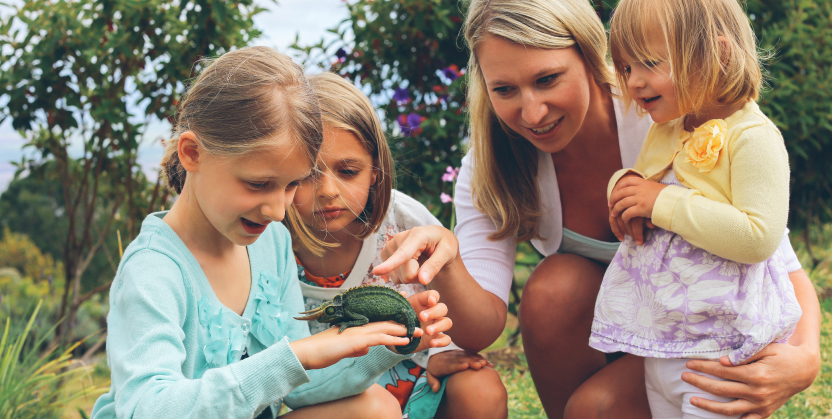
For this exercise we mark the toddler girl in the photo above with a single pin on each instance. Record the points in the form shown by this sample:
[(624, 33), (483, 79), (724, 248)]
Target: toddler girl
[(713, 180), (343, 219), (200, 322)]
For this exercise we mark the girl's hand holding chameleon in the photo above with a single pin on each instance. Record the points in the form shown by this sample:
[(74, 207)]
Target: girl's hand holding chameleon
[(330, 346)]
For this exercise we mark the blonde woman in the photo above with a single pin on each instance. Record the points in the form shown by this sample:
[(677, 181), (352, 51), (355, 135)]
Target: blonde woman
[(547, 132)]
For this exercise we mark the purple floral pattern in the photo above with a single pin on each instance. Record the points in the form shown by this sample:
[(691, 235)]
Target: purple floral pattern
[(670, 299)]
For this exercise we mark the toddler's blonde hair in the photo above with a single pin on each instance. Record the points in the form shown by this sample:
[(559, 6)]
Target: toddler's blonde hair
[(711, 48)]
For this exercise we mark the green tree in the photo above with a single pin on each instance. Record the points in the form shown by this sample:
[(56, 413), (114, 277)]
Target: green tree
[(799, 98), (89, 74)]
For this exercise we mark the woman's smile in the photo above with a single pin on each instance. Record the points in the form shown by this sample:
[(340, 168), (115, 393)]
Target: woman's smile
[(546, 130)]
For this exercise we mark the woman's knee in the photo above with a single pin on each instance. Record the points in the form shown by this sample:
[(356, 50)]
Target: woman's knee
[(562, 289), (590, 403), (477, 394)]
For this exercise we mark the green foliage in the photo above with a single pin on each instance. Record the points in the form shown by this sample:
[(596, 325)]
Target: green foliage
[(17, 251), (410, 45), (34, 206), (30, 383), (799, 100), (89, 74), (27, 277)]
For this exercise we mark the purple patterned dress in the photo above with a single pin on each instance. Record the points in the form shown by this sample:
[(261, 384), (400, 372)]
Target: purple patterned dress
[(670, 299)]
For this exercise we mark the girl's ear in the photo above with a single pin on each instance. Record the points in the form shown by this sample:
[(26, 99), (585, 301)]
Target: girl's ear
[(724, 50), (188, 150)]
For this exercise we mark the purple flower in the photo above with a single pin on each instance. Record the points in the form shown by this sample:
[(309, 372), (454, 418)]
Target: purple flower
[(451, 72), (414, 120), (409, 123), (341, 54), (450, 174), (401, 95), (445, 198)]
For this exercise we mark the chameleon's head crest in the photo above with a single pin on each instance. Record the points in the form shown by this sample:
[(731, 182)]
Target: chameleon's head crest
[(326, 313)]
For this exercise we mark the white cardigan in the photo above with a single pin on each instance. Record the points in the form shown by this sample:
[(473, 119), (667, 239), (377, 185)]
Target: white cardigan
[(491, 263)]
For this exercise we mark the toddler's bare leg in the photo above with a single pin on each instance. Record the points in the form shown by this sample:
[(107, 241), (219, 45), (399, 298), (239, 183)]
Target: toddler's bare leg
[(474, 394), (373, 403)]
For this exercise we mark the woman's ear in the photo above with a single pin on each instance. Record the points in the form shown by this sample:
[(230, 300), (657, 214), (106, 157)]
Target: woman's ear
[(188, 149)]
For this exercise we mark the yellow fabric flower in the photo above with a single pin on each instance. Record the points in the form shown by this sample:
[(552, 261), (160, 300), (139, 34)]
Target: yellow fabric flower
[(704, 144)]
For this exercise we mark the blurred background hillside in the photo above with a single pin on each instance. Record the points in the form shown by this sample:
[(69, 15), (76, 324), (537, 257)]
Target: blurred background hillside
[(87, 91)]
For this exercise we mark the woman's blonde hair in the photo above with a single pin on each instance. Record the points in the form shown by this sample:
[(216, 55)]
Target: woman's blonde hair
[(504, 182), (710, 46), (239, 103), (344, 106)]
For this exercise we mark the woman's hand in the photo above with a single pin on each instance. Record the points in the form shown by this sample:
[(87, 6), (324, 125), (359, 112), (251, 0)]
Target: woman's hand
[(762, 385), (451, 362), (328, 347), (418, 254), (431, 314)]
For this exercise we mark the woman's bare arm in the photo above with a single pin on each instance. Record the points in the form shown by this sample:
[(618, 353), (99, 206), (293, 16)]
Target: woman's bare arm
[(430, 255)]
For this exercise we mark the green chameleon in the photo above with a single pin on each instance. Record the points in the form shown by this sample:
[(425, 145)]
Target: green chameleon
[(361, 305)]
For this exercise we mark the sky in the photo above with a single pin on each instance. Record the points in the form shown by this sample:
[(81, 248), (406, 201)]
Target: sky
[(309, 19)]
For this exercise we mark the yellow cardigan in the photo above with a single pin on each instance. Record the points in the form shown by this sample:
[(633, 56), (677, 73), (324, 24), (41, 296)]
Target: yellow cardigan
[(738, 202)]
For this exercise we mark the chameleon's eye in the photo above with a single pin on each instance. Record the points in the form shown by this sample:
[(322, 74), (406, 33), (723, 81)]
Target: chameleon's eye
[(330, 311)]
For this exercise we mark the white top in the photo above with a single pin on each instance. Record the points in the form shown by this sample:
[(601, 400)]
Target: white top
[(404, 213), (491, 263)]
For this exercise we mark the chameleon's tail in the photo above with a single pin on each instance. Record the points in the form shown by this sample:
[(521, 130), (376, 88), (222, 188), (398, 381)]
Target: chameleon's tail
[(411, 322), (410, 347)]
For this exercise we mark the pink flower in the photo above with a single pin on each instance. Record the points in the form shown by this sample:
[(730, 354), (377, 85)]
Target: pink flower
[(445, 198), (450, 174)]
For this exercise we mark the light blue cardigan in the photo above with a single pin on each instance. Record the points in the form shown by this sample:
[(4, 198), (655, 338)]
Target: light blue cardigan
[(174, 350)]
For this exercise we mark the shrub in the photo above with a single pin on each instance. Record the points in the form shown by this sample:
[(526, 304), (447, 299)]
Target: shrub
[(799, 99), (30, 383)]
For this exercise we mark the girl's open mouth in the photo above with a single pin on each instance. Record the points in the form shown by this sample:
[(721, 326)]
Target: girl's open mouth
[(253, 228), (650, 99)]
